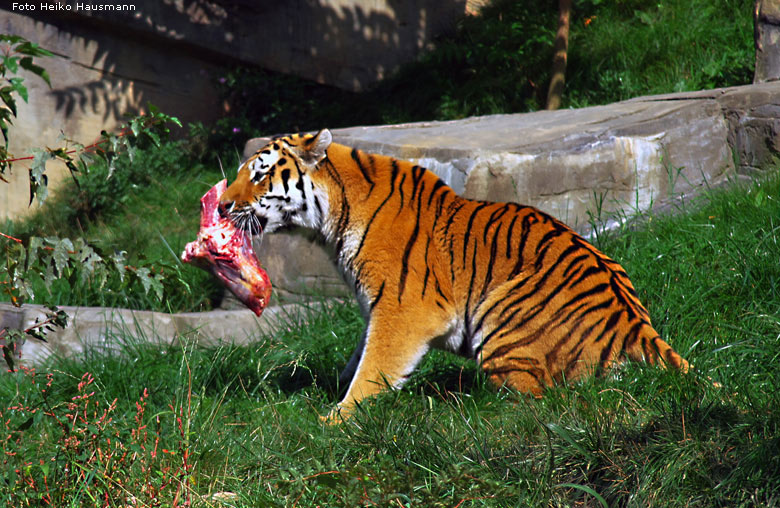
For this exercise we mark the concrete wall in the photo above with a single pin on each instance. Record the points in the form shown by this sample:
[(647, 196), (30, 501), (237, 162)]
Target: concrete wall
[(96, 79), (169, 52)]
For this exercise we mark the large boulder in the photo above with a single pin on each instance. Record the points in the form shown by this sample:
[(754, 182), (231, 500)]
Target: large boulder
[(584, 166)]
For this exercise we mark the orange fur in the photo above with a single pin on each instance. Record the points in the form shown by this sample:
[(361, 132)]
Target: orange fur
[(505, 284)]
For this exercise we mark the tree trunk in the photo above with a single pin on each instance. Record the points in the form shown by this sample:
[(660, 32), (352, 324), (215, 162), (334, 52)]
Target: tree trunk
[(766, 32), (558, 80)]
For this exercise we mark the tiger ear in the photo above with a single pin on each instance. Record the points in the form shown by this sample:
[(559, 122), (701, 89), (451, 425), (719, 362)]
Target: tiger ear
[(317, 146)]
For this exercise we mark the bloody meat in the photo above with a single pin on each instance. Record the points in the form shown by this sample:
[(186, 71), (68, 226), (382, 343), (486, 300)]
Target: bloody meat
[(227, 252)]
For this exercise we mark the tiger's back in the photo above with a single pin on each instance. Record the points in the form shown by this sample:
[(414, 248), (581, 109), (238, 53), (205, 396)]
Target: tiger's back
[(505, 284)]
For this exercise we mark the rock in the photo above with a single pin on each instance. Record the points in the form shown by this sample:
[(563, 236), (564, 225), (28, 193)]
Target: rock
[(99, 328)]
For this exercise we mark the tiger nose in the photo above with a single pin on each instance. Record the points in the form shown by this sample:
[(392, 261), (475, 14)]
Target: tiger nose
[(225, 207)]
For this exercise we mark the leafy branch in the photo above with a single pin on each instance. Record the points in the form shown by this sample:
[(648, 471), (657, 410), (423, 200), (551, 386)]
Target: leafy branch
[(55, 318), (52, 258), (16, 52)]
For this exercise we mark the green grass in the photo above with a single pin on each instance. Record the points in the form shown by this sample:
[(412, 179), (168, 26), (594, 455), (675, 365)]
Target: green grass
[(631, 48), (244, 420)]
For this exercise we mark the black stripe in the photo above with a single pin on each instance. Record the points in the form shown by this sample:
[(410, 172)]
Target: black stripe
[(509, 237), (285, 180), (491, 261), (437, 285), (576, 263), (530, 314), (572, 363), (547, 242), (588, 273), (408, 249), (501, 304), (401, 193), (619, 291), (542, 305), (610, 325), (495, 216), (376, 212), (436, 186), (343, 222), (594, 308), (356, 157), (417, 174), (378, 295), (467, 309), (318, 207), (467, 233), (606, 351), (528, 221), (440, 202), (452, 212), (427, 267)]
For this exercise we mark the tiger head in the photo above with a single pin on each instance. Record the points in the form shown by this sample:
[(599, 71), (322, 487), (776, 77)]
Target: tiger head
[(274, 189)]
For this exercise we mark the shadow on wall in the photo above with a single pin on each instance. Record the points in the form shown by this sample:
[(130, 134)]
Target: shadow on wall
[(163, 47), (170, 53)]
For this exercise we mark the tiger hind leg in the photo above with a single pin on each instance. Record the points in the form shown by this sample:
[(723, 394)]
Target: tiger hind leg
[(515, 370)]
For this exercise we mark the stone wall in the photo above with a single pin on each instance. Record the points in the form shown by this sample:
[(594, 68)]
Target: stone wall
[(604, 161), (105, 329), (170, 52)]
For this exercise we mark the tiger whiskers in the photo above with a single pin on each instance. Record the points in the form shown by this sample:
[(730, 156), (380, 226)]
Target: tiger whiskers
[(248, 222)]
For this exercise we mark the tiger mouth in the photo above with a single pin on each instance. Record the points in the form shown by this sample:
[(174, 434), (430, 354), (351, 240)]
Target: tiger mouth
[(248, 222)]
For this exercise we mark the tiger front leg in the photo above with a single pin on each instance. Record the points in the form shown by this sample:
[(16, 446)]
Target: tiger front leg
[(392, 347)]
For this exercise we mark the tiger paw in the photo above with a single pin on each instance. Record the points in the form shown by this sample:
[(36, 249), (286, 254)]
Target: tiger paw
[(336, 416)]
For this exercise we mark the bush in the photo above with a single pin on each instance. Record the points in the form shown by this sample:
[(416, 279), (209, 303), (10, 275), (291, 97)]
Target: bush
[(144, 212)]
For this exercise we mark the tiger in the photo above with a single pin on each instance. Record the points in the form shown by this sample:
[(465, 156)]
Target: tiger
[(518, 291)]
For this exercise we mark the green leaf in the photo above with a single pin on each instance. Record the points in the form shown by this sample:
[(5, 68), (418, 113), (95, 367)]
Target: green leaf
[(8, 99), (759, 198), (38, 178), (150, 282), (89, 260), (119, 258), (61, 254), (27, 63), (32, 49), (32, 251), (155, 137), (37, 333), (25, 424), (136, 125), (8, 355), (12, 39), (49, 276), (18, 87), (11, 63), (24, 288), (59, 317), (644, 17)]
